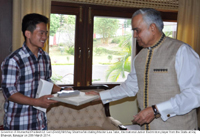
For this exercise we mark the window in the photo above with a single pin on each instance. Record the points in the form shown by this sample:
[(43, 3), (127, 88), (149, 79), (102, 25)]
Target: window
[(112, 49), (61, 47), (91, 44), (170, 29)]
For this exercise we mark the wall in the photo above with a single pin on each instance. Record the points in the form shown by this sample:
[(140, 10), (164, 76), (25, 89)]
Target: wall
[(124, 110), (5, 29)]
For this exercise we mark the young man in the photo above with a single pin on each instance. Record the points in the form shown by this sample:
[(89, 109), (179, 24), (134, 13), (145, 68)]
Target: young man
[(21, 72), (165, 76)]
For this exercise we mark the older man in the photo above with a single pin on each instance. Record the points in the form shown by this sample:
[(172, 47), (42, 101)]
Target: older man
[(165, 76)]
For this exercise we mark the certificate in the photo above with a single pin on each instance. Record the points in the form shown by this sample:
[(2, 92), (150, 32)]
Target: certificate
[(77, 100)]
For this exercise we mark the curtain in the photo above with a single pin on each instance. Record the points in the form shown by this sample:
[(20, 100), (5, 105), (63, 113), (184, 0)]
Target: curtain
[(23, 7), (189, 23), (189, 27)]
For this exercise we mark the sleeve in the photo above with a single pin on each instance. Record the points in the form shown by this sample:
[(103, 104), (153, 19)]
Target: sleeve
[(10, 73), (50, 73), (49, 69), (126, 89), (187, 67)]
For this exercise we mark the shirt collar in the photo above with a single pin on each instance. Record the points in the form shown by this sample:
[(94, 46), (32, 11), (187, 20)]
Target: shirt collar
[(158, 43), (28, 51)]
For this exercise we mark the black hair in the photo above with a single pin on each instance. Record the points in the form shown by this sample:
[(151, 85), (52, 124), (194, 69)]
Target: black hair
[(30, 21)]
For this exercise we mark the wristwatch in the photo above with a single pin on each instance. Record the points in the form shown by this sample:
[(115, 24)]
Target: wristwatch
[(156, 113)]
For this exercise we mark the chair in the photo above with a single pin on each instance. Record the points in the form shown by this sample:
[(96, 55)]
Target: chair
[(90, 116)]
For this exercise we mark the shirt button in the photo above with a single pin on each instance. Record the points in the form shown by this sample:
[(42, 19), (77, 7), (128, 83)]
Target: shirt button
[(168, 115)]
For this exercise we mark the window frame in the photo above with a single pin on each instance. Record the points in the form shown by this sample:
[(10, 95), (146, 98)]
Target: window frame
[(84, 42)]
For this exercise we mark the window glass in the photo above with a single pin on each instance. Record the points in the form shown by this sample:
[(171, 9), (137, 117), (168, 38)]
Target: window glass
[(170, 29), (61, 47), (111, 49)]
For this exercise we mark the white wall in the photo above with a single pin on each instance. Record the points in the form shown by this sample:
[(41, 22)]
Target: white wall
[(124, 110)]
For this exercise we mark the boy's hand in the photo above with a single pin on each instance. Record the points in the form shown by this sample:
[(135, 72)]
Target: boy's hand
[(44, 101)]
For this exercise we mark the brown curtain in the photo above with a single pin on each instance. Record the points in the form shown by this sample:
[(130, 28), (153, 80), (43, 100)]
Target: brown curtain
[(189, 23), (23, 7), (189, 27)]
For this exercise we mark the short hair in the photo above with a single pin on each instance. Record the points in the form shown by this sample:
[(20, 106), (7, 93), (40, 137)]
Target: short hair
[(30, 21), (151, 16)]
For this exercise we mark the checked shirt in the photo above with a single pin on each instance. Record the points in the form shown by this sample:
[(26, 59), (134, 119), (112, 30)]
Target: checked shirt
[(21, 72)]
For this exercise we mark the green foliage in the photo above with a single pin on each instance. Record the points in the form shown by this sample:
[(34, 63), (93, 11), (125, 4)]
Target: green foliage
[(110, 57), (168, 33), (58, 21), (124, 64), (93, 80), (54, 24), (55, 78), (68, 58), (127, 23), (61, 44), (71, 19), (100, 50), (107, 27), (115, 40), (69, 50)]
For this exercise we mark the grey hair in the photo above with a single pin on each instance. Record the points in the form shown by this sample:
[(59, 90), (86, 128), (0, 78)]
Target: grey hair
[(151, 16)]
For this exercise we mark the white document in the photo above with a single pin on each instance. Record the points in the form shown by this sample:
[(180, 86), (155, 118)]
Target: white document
[(44, 88), (67, 93), (80, 99)]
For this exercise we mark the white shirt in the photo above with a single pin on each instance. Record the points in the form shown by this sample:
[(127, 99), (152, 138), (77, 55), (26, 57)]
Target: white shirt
[(187, 67)]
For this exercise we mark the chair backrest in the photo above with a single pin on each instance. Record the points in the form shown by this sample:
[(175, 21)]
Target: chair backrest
[(2, 100), (63, 116)]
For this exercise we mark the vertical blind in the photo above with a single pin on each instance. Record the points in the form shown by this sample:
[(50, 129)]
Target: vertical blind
[(157, 4)]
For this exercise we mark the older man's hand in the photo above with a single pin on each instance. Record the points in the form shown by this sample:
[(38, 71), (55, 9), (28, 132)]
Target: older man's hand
[(144, 117), (93, 93)]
